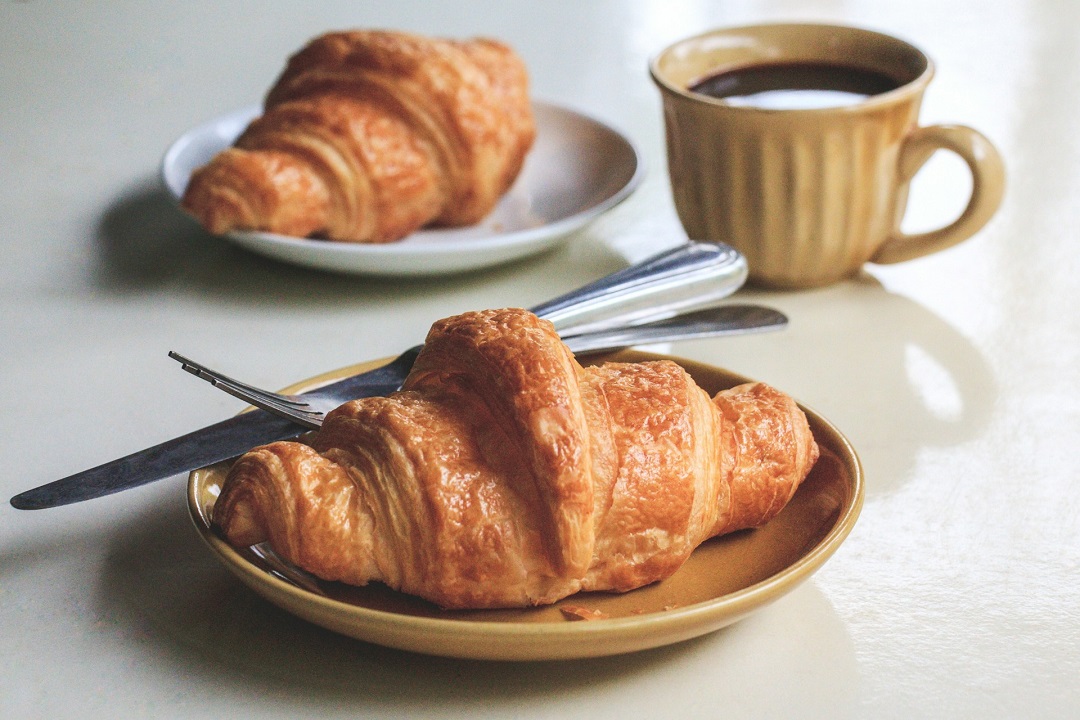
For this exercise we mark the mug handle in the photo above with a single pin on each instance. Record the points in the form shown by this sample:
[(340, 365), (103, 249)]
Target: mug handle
[(988, 187)]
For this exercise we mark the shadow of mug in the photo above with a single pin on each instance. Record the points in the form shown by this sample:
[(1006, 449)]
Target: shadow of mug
[(892, 375)]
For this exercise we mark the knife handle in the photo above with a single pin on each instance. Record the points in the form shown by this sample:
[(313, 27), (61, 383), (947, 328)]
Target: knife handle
[(689, 277)]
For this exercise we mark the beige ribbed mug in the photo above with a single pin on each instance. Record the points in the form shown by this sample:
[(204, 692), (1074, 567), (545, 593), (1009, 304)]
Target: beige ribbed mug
[(810, 195)]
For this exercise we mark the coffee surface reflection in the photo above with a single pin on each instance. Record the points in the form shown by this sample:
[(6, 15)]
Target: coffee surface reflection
[(795, 86)]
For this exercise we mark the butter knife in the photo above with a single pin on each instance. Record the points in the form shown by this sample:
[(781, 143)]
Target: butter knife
[(689, 277)]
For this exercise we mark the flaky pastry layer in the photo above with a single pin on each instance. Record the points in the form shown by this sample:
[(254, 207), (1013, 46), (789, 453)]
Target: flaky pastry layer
[(505, 474)]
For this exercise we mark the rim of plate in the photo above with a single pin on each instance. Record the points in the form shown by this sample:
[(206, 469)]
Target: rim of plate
[(681, 623)]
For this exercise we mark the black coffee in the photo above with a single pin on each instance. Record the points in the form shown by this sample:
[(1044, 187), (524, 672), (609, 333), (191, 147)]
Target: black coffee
[(796, 86)]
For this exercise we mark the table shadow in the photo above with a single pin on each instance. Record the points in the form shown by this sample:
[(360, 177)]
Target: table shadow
[(203, 624), (145, 242)]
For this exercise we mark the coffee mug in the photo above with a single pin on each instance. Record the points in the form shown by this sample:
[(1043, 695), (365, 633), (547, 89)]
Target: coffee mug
[(796, 144)]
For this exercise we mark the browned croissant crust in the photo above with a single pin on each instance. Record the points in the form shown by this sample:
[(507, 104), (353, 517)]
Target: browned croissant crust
[(505, 474), (370, 135)]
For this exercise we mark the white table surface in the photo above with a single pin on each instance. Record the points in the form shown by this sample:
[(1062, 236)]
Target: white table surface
[(954, 376)]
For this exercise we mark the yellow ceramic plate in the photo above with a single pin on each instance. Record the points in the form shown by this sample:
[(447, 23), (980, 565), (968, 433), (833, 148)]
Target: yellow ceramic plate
[(723, 581)]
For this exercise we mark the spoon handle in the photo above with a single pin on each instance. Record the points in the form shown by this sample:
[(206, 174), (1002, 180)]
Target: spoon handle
[(730, 319), (691, 276)]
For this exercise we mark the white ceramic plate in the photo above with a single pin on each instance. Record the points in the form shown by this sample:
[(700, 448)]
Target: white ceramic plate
[(577, 169), (724, 580)]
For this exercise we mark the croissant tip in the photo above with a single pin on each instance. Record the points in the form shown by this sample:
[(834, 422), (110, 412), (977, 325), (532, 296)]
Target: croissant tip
[(217, 217), (212, 201), (257, 190)]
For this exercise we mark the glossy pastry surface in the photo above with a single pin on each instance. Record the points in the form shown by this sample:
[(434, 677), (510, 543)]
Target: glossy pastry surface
[(505, 474), (369, 135)]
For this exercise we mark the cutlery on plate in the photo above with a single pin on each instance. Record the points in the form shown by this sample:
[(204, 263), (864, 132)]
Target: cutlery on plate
[(309, 409), (691, 276)]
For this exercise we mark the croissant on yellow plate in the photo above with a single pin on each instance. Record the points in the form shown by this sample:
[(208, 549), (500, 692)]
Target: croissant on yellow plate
[(505, 474), (369, 135)]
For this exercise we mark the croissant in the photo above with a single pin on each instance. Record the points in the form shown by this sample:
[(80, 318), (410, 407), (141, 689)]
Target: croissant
[(505, 474), (369, 135)]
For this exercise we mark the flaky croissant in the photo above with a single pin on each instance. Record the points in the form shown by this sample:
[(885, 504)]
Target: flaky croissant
[(369, 135), (505, 474)]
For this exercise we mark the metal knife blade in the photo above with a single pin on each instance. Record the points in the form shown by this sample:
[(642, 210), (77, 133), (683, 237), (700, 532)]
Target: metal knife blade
[(200, 448), (690, 276), (196, 449), (238, 434)]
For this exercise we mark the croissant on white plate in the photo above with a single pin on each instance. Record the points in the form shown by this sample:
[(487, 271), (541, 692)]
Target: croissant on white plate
[(369, 135), (505, 474)]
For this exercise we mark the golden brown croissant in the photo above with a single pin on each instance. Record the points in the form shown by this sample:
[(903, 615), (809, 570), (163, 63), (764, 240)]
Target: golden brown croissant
[(370, 135), (505, 474)]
